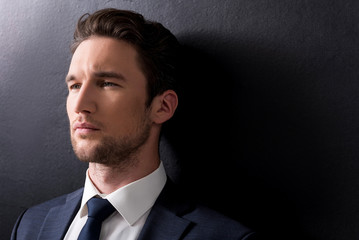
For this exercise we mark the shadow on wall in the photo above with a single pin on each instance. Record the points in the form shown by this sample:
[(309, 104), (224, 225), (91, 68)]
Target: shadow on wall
[(227, 133)]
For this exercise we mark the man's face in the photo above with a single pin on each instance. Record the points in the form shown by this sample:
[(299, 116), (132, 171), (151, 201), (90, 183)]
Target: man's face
[(106, 104)]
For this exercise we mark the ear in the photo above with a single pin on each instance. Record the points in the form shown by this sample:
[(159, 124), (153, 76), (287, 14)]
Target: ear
[(164, 106)]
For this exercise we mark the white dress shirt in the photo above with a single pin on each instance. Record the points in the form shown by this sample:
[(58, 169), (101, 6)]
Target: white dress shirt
[(133, 203)]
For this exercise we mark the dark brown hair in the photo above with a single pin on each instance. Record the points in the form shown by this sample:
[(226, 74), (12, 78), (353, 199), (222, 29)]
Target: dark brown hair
[(156, 46)]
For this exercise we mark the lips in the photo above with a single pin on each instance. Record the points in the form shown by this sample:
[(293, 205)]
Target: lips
[(84, 127)]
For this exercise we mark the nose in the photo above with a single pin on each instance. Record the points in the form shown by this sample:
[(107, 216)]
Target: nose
[(85, 100)]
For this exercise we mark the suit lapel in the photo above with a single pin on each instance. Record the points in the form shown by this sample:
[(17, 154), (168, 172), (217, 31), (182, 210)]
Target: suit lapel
[(163, 224), (165, 221), (59, 218)]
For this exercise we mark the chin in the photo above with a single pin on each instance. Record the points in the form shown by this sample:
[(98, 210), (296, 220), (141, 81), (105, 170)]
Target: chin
[(84, 148), (84, 154)]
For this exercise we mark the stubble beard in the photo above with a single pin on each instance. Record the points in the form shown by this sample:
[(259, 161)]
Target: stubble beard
[(120, 152)]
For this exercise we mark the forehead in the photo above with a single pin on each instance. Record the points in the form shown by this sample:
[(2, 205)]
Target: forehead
[(105, 54)]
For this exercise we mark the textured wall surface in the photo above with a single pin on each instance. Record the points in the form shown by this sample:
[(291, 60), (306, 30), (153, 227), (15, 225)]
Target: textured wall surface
[(268, 126)]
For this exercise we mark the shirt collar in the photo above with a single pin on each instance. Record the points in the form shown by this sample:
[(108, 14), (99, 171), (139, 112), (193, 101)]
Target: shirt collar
[(132, 200)]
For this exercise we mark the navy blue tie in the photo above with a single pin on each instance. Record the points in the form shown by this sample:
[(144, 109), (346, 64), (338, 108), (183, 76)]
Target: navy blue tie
[(98, 210)]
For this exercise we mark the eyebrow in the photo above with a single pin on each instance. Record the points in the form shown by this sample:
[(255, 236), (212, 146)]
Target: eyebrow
[(101, 74), (104, 74), (69, 78)]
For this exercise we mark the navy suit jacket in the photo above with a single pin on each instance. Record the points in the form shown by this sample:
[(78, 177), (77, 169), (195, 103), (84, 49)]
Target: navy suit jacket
[(171, 217)]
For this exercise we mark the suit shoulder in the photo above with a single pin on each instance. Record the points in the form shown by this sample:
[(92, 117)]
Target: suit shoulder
[(30, 221), (205, 223), (216, 225), (44, 207)]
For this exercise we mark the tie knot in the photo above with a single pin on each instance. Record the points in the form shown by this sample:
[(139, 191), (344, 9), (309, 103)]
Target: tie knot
[(99, 208)]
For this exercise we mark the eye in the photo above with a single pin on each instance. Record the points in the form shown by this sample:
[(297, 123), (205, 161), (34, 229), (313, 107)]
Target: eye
[(108, 84), (75, 86)]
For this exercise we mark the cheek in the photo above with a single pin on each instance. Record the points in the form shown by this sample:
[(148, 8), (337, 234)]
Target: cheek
[(126, 116), (70, 112)]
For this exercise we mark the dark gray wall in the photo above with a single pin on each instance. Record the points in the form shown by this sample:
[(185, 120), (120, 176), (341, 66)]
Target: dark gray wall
[(268, 127)]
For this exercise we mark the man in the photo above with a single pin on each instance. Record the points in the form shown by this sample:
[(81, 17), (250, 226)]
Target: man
[(121, 84)]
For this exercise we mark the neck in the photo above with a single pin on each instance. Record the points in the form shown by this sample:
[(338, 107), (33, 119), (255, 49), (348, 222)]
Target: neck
[(108, 179)]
